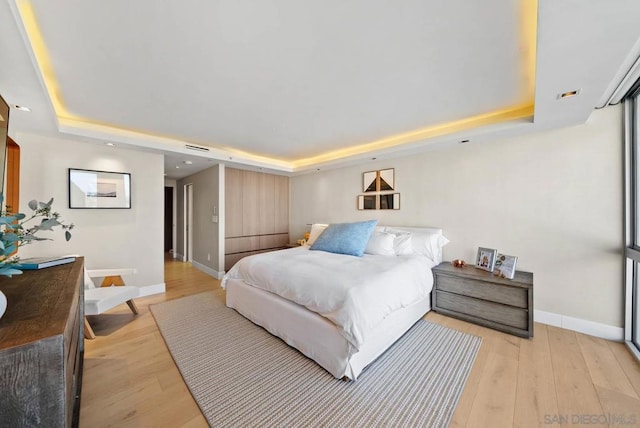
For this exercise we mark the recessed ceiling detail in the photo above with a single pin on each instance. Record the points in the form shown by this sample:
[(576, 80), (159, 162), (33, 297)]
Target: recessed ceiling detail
[(291, 87), (308, 96)]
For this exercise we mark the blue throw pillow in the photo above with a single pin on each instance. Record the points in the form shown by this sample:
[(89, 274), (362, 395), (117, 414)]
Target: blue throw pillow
[(345, 238)]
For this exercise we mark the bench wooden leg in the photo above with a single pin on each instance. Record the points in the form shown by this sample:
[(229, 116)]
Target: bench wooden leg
[(88, 331), (132, 306)]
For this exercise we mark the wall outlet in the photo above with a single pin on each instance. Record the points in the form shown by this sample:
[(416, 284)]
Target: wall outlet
[(214, 218)]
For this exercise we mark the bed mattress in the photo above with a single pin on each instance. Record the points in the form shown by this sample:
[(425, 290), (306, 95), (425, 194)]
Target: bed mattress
[(316, 336), (354, 293)]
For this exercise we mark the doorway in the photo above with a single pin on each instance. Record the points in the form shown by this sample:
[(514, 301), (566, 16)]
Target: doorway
[(188, 221), (168, 219)]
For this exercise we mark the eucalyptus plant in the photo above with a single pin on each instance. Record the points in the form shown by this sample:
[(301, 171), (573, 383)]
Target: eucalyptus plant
[(18, 230)]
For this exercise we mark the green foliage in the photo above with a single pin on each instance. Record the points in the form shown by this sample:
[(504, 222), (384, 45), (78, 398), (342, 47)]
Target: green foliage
[(18, 230)]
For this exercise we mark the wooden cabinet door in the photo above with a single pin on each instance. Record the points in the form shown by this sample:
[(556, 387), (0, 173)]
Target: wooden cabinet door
[(281, 204), (233, 202), (266, 196), (250, 205)]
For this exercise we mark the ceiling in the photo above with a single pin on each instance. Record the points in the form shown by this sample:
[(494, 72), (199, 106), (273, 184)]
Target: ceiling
[(291, 87)]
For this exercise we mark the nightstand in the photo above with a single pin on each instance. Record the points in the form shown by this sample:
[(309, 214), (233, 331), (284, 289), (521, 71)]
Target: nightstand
[(292, 245), (483, 298)]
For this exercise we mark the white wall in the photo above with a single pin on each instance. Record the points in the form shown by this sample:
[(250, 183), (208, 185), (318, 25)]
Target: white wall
[(553, 199), (107, 238), (206, 234)]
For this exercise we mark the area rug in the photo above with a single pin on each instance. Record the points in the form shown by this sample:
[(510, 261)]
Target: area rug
[(242, 376)]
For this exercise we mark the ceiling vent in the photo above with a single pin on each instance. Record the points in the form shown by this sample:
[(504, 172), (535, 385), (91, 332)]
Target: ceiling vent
[(198, 148)]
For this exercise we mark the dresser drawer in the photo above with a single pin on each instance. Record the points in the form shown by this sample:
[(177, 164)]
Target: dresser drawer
[(490, 311), (513, 296), (274, 241), (241, 244)]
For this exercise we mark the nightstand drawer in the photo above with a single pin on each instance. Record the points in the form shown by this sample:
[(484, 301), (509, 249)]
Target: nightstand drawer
[(490, 311), (512, 296)]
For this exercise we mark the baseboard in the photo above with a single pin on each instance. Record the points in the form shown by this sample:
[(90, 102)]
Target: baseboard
[(148, 290), (208, 270), (582, 326), (179, 256)]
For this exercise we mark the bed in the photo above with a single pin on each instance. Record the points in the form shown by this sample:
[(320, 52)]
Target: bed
[(339, 310)]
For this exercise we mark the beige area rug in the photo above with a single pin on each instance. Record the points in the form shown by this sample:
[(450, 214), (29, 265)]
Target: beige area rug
[(242, 376)]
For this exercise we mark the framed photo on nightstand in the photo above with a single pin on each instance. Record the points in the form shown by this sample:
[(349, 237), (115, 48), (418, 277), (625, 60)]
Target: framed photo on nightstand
[(505, 266), (486, 258)]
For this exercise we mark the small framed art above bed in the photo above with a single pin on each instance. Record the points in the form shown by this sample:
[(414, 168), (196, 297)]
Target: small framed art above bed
[(339, 309)]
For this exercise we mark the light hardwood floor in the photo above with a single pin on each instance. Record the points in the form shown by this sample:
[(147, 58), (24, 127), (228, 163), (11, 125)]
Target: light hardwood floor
[(558, 378)]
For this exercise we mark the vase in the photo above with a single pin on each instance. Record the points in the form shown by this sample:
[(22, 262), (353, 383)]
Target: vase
[(3, 304)]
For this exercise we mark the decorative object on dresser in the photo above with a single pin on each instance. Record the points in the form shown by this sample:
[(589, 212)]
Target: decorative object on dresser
[(505, 266), (17, 231), (480, 297), (42, 347), (459, 263), (486, 258), (35, 263)]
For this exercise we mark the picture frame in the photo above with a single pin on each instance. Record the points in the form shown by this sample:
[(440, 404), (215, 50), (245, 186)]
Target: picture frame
[(382, 180), (389, 201), (367, 202), (370, 181), (91, 189), (505, 266), (486, 258), (386, 180)]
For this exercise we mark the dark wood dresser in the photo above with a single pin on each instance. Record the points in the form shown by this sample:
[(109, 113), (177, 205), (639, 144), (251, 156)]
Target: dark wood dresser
[(480, 297), (42, 347)]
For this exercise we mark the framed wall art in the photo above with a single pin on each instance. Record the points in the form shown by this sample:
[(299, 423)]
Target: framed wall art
[(382, 180), (386, 180), (370, 181), (99, 189), (486, 258), (390, 201), (366, 202)]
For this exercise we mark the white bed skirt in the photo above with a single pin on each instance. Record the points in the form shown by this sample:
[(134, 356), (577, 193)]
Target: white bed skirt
[(315, 336)]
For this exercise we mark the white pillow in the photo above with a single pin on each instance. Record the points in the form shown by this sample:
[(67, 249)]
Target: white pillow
[(429, 244), (316, 230), (381, 243), (402, 244), (425, 243)]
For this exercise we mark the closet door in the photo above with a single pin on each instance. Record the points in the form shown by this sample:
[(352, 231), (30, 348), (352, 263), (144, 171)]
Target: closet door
[(266, 196), (250, 205), (233, 202), (281, 204)]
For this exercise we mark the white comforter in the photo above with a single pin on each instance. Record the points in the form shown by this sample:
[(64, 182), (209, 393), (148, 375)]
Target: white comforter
[(355, 293)]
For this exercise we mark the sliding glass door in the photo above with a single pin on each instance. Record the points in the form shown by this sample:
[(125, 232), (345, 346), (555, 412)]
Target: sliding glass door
[(632, 221)]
